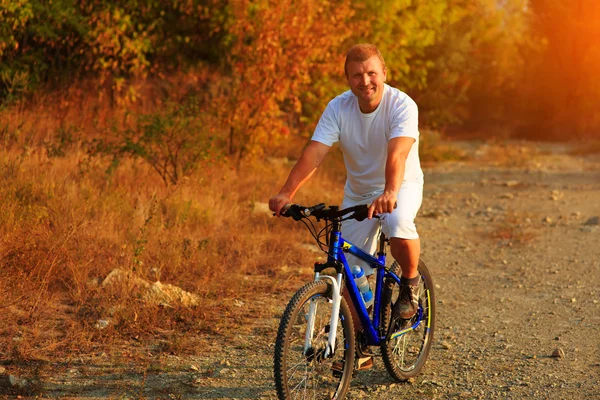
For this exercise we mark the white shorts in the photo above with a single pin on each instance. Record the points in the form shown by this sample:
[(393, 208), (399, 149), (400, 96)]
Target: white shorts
[(400, 223)]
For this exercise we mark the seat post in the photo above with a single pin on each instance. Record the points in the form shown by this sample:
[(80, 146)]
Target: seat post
[(382, 241)]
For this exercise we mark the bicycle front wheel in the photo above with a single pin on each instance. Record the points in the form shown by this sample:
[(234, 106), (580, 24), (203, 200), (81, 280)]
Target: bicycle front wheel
[(302, 371), (404, 355)]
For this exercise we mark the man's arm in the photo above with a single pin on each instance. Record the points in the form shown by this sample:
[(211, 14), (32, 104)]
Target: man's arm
[(311, 159), (398, 149)]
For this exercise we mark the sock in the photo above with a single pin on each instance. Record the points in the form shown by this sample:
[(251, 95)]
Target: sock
[(410, 281)]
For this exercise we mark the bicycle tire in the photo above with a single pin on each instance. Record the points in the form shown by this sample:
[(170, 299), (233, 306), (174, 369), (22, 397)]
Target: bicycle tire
[(405, 356), (322, 376)]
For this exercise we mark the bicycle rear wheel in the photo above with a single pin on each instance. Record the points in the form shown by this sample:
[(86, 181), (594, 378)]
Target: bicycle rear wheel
[(405, 355), (301, 373)]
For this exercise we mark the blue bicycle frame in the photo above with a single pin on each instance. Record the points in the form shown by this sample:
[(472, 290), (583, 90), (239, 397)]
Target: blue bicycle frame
[(341, 246), (338, 246), (374, 331)]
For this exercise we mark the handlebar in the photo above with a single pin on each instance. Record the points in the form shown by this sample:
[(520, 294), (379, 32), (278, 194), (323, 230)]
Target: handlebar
[(320, 211)]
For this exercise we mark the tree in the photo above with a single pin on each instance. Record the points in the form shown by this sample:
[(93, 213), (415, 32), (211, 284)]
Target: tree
[(560, 89), (275, 50)]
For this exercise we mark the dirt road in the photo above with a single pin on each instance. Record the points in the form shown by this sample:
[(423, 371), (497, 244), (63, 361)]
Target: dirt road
[(515, 253)]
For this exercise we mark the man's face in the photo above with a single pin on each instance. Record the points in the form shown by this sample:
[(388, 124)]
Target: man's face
[(366, 81)]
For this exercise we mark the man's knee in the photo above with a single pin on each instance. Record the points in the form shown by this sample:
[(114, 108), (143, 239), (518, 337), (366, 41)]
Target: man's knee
[(402, 248)]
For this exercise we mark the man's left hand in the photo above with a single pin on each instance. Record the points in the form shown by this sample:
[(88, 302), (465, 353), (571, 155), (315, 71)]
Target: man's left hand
[(383, 204)]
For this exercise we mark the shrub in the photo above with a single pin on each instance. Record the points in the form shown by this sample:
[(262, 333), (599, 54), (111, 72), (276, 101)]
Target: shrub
[(174, 141)]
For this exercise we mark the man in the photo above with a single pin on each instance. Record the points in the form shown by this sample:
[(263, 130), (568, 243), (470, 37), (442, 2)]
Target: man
[(377, 127)]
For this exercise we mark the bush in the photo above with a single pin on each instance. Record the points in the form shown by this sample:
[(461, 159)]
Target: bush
[(174, 141)]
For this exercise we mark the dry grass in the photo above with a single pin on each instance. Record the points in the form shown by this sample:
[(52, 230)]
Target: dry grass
[(508, 154), (433, 148), (65, 224), (64, 228)]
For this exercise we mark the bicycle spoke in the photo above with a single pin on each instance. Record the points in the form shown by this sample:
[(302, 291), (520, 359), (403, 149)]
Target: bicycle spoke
[(405, 355), (296, 387), (307, 374), (403, 341), (294, 369)]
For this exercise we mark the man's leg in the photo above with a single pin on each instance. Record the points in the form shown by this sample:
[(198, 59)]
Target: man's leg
[(406, 252), (405, 247)]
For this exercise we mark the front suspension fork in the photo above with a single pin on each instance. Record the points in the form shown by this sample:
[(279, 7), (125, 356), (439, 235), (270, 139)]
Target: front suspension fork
[(336, 285)]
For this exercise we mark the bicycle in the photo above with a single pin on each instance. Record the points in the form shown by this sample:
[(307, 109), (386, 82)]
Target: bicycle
[(315, 345)]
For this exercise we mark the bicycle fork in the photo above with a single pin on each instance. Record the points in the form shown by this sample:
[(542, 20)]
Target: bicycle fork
[(335, 311)]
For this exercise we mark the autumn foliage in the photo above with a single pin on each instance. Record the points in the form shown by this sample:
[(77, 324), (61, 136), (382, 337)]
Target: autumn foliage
[(281, 52), (276, 64)]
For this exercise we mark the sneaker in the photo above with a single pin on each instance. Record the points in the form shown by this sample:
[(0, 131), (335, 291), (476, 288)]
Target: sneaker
[(408, 302)]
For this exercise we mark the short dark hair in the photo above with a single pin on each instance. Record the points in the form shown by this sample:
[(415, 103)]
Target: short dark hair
[(362, 52)]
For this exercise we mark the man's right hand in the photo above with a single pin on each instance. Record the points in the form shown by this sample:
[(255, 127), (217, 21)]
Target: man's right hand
[(278, 202), (311, 158)]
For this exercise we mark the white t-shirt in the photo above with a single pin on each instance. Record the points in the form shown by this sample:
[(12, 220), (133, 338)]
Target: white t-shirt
[(364, 138)]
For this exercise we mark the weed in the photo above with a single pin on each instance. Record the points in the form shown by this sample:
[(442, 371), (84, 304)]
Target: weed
[(65, 139)]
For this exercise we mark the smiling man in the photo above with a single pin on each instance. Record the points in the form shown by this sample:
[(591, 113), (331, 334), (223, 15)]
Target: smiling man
[(377, 127)]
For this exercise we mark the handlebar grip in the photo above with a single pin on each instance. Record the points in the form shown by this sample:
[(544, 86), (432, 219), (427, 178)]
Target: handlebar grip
[(294, 211), (361, 214), (283, 211)]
